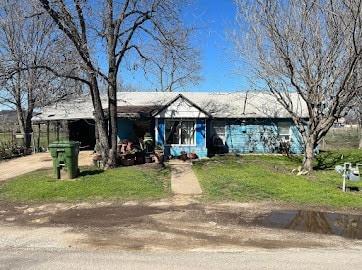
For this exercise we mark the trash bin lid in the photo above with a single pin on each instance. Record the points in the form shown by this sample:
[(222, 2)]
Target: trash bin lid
[(64, 144)]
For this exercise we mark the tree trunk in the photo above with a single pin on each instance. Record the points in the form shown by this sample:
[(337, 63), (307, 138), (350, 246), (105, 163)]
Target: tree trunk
[(112, 109), (20, 116), (309, 154), (28, 130), (103, 139), (19, 110), (100, 120), (24, 122), (112, 83), (29, 113), (360, 134)]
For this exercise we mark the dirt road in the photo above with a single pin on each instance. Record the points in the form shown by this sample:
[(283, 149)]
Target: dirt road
[(164, 226)]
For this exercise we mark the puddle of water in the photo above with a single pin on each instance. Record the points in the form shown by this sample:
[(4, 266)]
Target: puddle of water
[(349, 226)]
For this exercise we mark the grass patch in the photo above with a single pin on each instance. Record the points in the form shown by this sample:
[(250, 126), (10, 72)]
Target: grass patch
[(259, 177), (126, 183), (329, 159)]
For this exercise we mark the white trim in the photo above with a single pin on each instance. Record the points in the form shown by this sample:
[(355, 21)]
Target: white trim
[(156, 131), (284, 125), (181, 108)]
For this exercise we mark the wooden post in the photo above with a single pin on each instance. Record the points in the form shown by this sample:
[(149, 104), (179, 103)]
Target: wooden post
[(48, 137), (11, 132), (57, 130), (66, 132), (38, 147)]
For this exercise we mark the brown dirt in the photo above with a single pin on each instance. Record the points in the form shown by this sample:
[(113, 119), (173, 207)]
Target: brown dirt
[(170, 226)]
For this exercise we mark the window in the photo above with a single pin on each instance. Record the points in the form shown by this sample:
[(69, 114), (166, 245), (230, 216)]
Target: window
[(218, 132), (284, 131), (180, 132)]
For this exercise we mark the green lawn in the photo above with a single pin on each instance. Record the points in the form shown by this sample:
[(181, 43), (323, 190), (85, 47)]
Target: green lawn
[(233, 178), (262, 177), (126, 183)]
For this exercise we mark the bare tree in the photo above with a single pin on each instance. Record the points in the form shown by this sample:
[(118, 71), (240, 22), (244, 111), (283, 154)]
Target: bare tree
[(358, 111), (357, 102), (26, 41), (105, 33), (172, 68), (308, 47), (360, 128)]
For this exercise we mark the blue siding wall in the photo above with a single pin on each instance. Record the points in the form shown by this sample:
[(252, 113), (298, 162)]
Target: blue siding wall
[(125, 129), (258, 136), (251, 137), (296, 142), (133, 129)]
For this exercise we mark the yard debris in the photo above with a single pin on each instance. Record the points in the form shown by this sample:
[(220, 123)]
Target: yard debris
[(299, 171)]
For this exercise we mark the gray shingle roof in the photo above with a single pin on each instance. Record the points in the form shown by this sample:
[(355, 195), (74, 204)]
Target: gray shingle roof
[(218, 105), (79, 107)]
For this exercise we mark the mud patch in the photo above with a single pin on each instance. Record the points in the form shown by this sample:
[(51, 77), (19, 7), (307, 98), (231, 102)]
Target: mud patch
[(104, 217), (349, 226)]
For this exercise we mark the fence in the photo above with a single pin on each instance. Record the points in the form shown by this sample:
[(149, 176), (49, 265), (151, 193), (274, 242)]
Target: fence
[(12, 141), (346, 137)]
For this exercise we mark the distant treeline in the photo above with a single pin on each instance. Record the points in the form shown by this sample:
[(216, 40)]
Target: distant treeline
[(8, 117)]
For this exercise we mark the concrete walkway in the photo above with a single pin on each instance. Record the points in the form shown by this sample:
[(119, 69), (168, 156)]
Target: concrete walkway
[(18, 166), (183, 179)]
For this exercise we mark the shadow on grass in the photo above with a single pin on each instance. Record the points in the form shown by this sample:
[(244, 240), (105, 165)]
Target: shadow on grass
[(295, 158), (88, 172), (326, 160), (329, 159)]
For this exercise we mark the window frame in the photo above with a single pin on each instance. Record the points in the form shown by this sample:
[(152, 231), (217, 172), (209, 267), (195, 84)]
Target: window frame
[(180, 131), (281, 136), (218, 125)]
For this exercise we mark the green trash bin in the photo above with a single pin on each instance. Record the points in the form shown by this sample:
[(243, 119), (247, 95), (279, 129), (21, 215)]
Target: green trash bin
[(65, 156)]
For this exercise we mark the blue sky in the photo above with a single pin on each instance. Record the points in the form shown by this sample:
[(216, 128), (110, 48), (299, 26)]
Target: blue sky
[(218, 70), (215, 18)]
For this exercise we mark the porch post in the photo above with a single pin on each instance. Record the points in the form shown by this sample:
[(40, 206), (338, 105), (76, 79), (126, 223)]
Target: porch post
[(48, 135), (38, 142)]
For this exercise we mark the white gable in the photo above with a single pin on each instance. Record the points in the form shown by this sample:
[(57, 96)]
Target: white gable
[(181, 108)]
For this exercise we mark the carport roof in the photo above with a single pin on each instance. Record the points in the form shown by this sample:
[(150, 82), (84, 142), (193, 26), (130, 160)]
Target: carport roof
[(71, 108)]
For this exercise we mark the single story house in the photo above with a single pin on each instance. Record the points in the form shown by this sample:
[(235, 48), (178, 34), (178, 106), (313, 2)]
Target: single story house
[(206, 123)]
